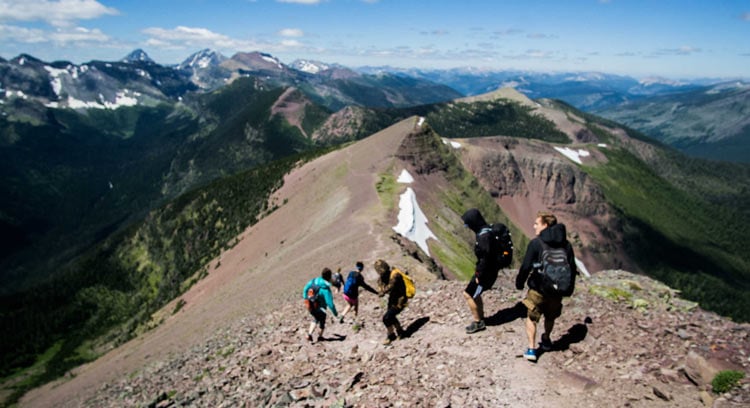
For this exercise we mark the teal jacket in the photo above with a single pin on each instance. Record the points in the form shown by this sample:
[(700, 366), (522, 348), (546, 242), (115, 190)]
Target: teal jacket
[(325, 297)]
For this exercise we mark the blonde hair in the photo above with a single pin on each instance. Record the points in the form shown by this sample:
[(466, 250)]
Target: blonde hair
[(382, 266), (547, 218)]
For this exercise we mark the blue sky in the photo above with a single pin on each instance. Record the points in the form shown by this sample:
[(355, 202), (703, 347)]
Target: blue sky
[(641, 38)]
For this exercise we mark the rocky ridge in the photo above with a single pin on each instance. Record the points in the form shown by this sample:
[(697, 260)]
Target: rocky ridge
[(623, 340)]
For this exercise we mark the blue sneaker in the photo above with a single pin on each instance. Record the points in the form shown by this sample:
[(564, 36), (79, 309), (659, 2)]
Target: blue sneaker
[(530, 354)]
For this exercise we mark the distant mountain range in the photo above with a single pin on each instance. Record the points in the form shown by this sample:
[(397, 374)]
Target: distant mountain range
[(646, 104), (712, 122)]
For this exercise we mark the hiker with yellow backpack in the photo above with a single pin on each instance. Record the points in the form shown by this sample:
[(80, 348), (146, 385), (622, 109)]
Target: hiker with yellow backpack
[(400, 288)]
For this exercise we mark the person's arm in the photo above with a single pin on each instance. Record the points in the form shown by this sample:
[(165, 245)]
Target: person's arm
[(391, 283), (329, 300), (573, 268), (532, 254), (364, 284)]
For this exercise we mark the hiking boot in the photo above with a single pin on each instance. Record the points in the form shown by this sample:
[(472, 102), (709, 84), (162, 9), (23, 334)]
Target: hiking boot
[(530, 354), (309, 338), (388, 340), (341, 320), (321, 338), (475, 327), (545, 344)]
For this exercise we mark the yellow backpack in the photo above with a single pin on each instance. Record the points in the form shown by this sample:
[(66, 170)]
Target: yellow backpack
[(408, 282)]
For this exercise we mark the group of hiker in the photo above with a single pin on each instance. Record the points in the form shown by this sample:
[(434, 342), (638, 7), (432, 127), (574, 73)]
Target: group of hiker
[(548, 269), (318, 295)]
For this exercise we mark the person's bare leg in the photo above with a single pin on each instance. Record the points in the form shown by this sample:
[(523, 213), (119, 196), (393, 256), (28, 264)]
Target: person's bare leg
[(473, 307), (531, 332)]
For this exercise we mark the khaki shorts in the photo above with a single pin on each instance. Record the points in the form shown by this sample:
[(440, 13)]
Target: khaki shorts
[(539, 306)]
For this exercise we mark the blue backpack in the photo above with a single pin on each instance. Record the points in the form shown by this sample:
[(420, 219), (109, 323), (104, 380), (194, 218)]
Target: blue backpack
[(350, 286)]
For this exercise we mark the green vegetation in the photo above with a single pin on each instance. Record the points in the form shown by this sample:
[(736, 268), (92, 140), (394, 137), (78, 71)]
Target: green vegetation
[(678, 237), (725, 380), (110, 293), (386, 188), (493, 118)]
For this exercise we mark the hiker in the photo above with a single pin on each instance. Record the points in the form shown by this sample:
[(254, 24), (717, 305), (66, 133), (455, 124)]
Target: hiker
[(337, 280), (541, 300), (354, 280), (485, 269), (392, 283), (318, 297)]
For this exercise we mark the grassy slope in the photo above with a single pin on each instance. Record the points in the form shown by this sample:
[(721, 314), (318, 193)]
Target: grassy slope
[(110, 294), (678, 237)]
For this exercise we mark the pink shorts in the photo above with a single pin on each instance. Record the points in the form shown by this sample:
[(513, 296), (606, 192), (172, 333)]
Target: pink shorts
[(351, 301)]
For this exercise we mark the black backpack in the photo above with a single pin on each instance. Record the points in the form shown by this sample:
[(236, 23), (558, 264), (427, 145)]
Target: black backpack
[(502, 244), (557, 278)]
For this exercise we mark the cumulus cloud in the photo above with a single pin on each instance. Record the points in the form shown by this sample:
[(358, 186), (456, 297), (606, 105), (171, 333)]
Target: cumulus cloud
[(61, 13)]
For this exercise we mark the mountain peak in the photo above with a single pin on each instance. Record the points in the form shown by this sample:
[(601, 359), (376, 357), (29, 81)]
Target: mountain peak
[(137, 55), (310, 66), (203, 59), (255, 61)]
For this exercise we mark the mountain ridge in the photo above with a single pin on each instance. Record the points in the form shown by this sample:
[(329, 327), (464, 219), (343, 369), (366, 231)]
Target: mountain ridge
[(446, 188)]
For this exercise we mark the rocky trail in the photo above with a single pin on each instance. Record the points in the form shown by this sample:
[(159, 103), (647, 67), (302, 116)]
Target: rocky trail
[(623, 340)]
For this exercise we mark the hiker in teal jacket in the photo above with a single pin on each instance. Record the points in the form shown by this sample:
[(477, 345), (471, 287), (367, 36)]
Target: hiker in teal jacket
[(318, 297)]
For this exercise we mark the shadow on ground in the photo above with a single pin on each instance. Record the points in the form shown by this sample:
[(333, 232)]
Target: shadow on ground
[(506, 315)]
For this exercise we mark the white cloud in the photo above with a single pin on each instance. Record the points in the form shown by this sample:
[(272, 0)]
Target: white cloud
[(78, 34), (182, 37), (291, 43), (182, 33), (61, 36), (21, 34), (60, 13), (291, 32)]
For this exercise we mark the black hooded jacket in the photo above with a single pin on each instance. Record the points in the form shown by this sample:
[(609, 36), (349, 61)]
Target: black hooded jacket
[(486, 267), (556, 237)]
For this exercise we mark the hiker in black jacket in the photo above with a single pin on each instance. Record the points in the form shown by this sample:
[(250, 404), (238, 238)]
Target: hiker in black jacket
[(537, 301), (485, 270)]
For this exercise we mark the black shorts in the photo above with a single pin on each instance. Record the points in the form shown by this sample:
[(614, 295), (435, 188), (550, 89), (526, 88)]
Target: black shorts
[(320, 317), (474, 290)]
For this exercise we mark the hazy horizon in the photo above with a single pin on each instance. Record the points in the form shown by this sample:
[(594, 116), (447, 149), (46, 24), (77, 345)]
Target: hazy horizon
[(638, 38)]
